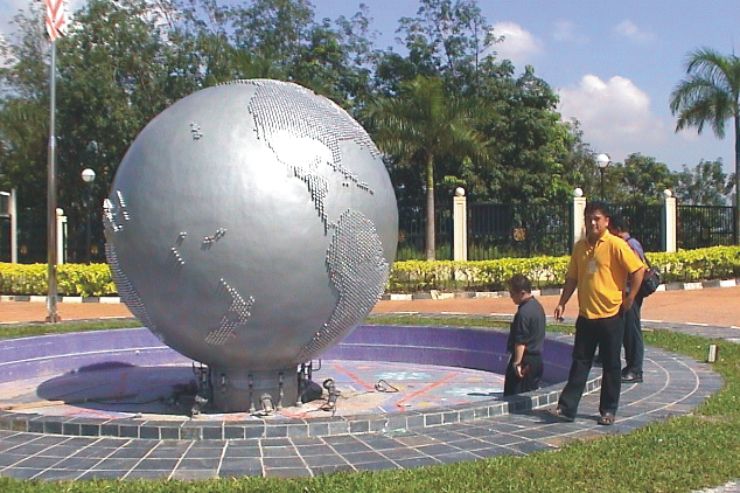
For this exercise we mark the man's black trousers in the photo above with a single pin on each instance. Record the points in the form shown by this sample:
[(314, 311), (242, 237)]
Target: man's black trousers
[(607, 334)]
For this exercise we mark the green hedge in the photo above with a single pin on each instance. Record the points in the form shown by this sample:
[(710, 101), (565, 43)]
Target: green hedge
[(722, 262), (72, 279), (481, 275)]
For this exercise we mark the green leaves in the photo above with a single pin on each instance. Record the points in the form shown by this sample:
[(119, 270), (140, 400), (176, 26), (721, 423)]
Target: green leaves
[(711, 92), (72, 279), (705, 184), (420, 126), (711, 95)]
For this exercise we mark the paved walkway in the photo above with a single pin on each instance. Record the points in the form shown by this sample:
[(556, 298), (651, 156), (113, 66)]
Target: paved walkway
[(674, 385)]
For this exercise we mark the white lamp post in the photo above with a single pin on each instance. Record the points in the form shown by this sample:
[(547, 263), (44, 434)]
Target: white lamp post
[(602, 161)]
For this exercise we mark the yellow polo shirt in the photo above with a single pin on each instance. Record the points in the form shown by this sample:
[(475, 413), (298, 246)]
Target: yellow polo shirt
[(601, 272)]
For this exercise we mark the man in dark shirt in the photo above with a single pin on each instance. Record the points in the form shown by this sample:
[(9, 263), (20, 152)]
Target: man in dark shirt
[(634, 347), (526, 338)]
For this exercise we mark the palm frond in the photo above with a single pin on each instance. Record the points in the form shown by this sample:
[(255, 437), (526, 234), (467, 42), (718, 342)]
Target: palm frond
[(709, 95)]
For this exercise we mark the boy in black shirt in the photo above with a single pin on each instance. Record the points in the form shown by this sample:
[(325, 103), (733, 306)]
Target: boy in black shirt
[(526, 338)]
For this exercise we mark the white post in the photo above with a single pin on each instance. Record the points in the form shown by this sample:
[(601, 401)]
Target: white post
[(61, 236), (460, 225), (13, 210), (579, 222), (669, 219)]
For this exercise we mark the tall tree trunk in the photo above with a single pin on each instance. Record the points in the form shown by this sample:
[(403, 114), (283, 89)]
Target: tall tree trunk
[(430, 242)]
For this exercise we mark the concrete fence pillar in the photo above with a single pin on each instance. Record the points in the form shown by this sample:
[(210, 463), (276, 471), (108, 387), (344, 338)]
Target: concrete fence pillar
[(13, 210), (669, 221), (579, 222), (459, 225), (61, 236)]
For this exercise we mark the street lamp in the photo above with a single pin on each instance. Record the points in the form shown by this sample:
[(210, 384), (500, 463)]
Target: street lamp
[(88, 176), (602, 161)]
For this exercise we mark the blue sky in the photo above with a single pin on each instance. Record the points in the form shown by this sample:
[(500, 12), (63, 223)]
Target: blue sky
[(613, 63)]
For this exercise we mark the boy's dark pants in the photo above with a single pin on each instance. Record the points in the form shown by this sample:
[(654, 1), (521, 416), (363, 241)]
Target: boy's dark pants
[(533, 373), (607, 333), (634, 347)]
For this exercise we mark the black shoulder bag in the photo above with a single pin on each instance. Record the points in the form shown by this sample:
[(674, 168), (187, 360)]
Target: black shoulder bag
[(650, 281)]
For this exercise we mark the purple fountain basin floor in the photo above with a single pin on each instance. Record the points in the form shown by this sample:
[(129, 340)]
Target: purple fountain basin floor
[(127, 391), (112, 381)]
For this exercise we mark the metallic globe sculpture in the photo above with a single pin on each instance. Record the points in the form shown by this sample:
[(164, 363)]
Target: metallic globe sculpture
[(250, 226)]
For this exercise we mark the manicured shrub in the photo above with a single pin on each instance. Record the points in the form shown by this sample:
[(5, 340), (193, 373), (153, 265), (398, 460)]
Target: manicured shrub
[(72, 279), (721, 262)]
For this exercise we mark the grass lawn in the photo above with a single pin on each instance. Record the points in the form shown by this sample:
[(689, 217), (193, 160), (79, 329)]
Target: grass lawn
[(15, 331), (680, 454)]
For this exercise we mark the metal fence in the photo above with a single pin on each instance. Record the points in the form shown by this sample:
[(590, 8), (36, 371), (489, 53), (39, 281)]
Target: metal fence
[(644, 222), (32, 232), (494, 231), (412, 233), (4, 239), (518, 230), (31, 237), (702, 226)]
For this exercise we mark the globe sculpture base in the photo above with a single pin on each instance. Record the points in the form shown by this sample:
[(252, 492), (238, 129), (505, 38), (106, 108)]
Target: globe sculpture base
[(239, 390)]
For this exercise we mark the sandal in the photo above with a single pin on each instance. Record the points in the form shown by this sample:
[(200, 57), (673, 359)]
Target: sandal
[(557, 413), (606, 419)]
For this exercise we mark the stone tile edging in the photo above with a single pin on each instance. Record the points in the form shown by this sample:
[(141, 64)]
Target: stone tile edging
[(287, 428)]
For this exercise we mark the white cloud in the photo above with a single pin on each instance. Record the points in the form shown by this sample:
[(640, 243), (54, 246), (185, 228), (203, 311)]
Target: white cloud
[(615, 115), (629, 30), (518, 45), (617, 118), (566, 31)]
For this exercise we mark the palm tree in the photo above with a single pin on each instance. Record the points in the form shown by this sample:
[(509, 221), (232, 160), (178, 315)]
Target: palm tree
[(711, 94), (419, 125)]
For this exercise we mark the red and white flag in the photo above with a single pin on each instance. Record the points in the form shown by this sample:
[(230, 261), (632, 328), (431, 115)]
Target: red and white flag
[(54, 18)]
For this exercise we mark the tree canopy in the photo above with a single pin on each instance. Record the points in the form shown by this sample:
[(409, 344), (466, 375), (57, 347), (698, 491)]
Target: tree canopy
[(445, 108)]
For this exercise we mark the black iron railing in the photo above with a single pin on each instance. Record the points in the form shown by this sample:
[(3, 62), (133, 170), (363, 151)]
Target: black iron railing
[(702, 226), (412, 233), (645, 223), (518, 230), (494, 231)]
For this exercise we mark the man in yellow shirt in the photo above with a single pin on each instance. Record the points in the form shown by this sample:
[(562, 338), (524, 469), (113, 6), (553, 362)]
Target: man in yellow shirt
[(599, 267)]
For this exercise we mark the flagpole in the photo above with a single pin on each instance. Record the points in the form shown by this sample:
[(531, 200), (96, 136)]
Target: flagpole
[(51, 204)]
